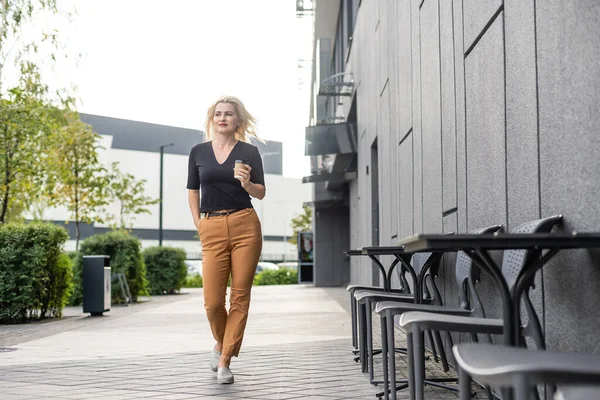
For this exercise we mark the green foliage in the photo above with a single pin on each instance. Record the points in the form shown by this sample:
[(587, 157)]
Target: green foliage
[(282, 276), (35, 275), (77, 180), (29, 112), (125, 257), (128, 193), (165, 269), (26, 121), (18, 16), (193, 281), (300, 223), (76, 260)]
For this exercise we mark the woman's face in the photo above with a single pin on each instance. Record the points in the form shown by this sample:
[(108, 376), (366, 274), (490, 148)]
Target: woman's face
[(225, 119)]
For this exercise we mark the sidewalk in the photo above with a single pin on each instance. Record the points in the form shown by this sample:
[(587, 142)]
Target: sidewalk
[(297, 346)]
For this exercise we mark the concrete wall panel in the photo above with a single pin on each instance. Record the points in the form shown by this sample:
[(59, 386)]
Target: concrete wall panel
[(431, 116), (486, 164), (568, 51), (448, 106)]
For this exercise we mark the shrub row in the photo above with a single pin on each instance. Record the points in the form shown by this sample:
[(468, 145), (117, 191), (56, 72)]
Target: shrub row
[(281, 276), (37, 279), (125, 257), (35, 275), (155, 270), (165, 269)]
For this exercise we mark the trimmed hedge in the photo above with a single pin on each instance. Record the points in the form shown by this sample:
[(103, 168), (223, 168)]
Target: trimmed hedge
[(125, 257), (193, 281), (282, 276), (35, 274), (165, 269)]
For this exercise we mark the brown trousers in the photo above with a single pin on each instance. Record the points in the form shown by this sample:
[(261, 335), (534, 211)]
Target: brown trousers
[(231, 245)]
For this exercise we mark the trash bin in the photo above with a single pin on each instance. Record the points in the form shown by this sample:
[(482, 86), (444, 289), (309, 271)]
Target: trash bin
[(96, 284)]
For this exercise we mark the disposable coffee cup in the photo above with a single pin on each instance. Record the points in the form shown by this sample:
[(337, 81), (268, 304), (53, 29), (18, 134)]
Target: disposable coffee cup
[(236, 168)]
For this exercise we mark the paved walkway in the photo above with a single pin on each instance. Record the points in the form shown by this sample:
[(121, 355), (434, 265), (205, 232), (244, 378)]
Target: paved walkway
[(297, 346)]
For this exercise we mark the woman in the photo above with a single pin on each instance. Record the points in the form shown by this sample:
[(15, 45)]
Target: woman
[(228, 226)]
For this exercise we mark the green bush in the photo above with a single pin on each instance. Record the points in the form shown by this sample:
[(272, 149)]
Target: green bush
[(165, 269), (193, 281), (125, 257), (282, 276), (35, 274), (76, 261)]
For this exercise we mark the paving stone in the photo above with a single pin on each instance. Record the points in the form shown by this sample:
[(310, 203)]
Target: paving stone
[(297, 346)]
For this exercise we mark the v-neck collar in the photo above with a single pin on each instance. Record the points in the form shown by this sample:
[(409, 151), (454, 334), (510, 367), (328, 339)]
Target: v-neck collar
[(212, 149)]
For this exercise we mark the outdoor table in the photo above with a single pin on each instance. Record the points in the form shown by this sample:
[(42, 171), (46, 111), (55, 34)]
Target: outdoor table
[(400, 256), (477, 247)]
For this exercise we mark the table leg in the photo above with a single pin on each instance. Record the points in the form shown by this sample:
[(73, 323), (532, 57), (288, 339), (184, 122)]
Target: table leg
[(386, 284), (487, 264)]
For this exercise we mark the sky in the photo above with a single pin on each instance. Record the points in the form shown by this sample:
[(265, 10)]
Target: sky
[(145, 61)]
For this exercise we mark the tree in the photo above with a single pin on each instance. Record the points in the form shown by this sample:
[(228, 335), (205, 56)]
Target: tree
[(15, 16), (301, 222), (26, 115), (26, 121), (129, 195), (77, 180)]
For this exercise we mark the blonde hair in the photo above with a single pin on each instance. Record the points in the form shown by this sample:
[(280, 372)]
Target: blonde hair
[(247, 128)]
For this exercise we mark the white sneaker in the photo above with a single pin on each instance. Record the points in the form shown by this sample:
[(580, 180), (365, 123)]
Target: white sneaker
[(214, 360), (224, 375)]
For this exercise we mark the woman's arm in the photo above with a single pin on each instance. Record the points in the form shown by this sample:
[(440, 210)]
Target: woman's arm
[(255, 190), (194, 202)]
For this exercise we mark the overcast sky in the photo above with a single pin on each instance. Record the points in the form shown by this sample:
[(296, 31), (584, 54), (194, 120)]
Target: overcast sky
[(165, 62)]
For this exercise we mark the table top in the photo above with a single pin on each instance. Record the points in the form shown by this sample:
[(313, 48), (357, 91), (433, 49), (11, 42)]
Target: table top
[(376, 251), (500, 241)]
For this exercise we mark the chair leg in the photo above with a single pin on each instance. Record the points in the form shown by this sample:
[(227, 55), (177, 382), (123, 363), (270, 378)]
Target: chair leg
[(535, 395), (391, 344), (353, 315), (362, 337), (488, 392), (433, 349), (369, 316), (419, 363), (522, 388), (441, 350), (384, 353), (450, 340), (464, 382), (411, 364)]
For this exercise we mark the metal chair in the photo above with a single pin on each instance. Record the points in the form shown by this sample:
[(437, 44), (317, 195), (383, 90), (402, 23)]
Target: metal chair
[(469, 305), (404, 288), (512, 263), (523, 369), (365, 298)]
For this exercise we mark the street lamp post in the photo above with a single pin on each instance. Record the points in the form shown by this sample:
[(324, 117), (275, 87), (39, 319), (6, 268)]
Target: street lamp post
[(160, 204)]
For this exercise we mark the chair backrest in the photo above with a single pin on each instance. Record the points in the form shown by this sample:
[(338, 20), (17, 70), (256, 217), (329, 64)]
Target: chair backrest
[(514, 260), (512, 264), (401, 273), (432, 261), (467, 275)]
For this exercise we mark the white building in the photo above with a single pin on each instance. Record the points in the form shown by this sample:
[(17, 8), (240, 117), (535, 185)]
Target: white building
[(136, 147)]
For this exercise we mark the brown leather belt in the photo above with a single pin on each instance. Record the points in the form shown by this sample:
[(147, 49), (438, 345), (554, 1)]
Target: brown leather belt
[(221, 213)]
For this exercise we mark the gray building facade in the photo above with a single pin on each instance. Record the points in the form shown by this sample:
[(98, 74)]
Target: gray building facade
[(452, 115)]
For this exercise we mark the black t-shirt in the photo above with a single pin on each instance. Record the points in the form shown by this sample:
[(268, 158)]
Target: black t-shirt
[(219, 189)]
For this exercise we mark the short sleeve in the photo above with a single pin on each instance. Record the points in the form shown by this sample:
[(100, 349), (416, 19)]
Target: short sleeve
[(193, 181), (257, 174)]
